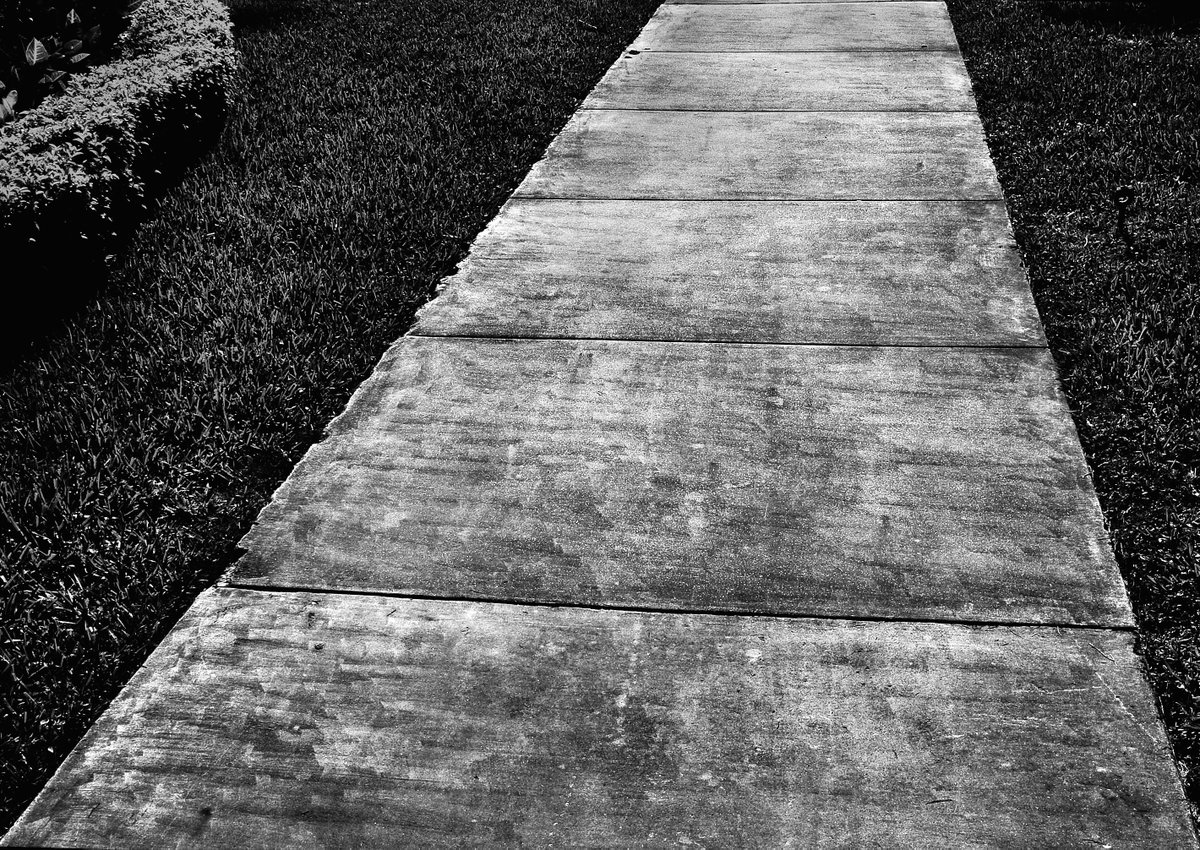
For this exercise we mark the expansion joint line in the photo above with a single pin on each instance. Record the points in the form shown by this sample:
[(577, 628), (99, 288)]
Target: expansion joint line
[(681, 610)]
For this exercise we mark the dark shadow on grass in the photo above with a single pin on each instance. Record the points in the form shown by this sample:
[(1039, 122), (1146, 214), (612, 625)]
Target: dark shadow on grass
[(254, 15), (1119, 17), (67, 273), (45, 311)]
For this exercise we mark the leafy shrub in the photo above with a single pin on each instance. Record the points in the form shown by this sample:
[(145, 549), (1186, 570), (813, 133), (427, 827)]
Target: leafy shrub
[(77, 166)]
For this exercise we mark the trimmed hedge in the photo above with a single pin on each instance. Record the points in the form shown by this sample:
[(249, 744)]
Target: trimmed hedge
[(78, 167)]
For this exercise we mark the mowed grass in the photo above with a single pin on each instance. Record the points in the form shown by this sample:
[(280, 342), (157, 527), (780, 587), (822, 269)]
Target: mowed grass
[(372, 139), (1079, 99)]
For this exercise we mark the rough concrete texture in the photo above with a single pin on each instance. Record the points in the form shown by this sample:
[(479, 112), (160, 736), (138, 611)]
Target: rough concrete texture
[(730, 179), (795, 156), (860, 272), (844, 481), (781, 2), (286, 720), (892, 81), (799, 27)]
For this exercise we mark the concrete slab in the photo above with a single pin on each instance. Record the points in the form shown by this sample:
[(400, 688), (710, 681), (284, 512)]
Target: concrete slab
[(284, 720), (829, 272), (799, 26), (755, 2), (766, 156), (931, 82), (842, 481)]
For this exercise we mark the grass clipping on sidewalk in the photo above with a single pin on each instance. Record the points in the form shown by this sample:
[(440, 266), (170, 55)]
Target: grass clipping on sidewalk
[(1090, 108), (371, 141)]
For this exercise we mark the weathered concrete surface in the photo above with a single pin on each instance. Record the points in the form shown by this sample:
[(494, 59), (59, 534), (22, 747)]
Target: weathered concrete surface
[(286, 720), (794, 156), (860, 272), (799, 27), (935, 82), (853, 481), (755, 2), (844, 481)]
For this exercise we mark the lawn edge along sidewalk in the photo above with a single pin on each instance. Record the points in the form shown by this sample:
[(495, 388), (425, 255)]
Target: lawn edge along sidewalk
[(626, 546)]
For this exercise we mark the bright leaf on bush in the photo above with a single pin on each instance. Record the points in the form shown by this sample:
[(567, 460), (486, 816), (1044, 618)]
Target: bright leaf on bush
[(35, 52), (73, 17)]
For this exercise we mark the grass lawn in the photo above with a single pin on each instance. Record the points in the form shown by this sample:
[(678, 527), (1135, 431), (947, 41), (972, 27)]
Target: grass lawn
[(1079, 99), (372, 139)]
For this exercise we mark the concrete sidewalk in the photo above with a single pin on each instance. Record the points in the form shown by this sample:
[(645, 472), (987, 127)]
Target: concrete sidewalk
[(725, 497)]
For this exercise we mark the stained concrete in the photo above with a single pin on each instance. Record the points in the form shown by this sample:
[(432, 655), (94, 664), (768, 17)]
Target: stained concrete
[(284, 720), (861, 482), (853, 273), (780, 2), (843, 481), (799, 27), (794, 156), (892, 81)]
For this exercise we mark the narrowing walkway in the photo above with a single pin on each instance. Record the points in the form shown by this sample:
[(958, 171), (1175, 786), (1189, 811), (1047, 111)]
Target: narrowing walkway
[(725, 497)]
